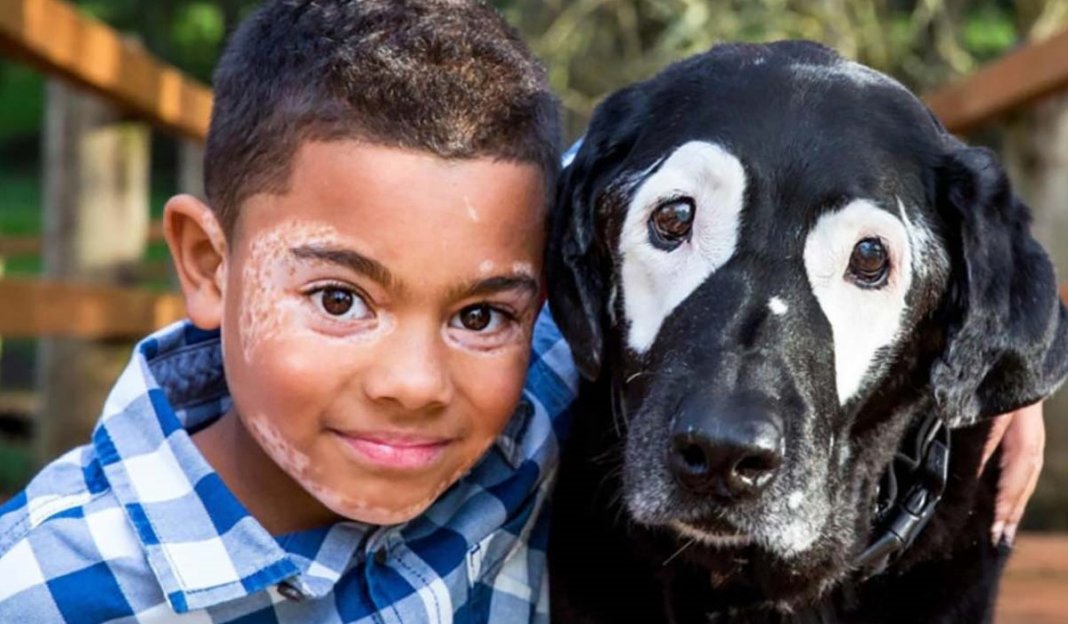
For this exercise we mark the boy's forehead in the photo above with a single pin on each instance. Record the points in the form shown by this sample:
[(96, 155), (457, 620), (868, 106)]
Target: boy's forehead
[(333, 182), (390, 202)]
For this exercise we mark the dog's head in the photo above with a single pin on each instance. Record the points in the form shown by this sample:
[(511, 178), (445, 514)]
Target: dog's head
[(780, 257)]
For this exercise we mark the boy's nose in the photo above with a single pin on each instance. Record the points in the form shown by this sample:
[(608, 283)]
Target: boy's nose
[(410, 370)]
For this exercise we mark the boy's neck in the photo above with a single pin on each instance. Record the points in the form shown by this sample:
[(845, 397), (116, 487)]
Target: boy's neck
[(274, 499)]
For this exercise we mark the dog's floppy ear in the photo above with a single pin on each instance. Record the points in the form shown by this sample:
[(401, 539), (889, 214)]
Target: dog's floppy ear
[(578, 264), (1007, 331)]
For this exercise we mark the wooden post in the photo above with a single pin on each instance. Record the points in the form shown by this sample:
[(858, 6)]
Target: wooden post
[(96, 220), (191, 168)]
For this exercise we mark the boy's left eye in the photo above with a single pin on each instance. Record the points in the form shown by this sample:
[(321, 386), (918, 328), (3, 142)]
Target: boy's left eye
[(478, 318), (341, 303)]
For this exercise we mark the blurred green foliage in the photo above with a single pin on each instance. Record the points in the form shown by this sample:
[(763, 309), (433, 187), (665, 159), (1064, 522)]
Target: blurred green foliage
[(21, 99), (594, 46)]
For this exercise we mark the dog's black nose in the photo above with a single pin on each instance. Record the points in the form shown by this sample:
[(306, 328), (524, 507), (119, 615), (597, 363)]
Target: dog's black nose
[(731, 454)]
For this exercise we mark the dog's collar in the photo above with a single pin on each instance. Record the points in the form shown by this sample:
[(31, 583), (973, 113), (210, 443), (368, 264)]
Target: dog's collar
[(908, 494)]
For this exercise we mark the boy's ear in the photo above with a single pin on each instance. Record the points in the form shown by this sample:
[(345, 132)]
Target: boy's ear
[(198, 247)]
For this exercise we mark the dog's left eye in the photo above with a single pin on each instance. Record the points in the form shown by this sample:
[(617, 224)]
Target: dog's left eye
[(672, 222), (870, 263)]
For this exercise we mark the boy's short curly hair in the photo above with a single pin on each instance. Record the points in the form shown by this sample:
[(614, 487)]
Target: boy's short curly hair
[(449, 77)]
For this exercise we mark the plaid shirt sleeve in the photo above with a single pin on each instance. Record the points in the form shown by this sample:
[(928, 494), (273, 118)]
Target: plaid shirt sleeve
[(136, 527)]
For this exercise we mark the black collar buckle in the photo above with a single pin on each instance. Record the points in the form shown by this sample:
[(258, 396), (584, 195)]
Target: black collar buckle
[(909, 493)]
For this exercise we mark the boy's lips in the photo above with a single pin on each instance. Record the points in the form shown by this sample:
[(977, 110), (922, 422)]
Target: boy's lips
[(395, 450)]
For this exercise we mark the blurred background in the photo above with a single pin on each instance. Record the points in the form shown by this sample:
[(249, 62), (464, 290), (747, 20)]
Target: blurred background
[(103, 104)]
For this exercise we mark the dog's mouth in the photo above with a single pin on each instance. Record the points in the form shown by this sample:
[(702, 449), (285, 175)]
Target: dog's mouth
[(717, 536)]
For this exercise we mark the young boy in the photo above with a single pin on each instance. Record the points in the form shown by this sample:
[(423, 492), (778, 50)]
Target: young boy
[(335, 436)]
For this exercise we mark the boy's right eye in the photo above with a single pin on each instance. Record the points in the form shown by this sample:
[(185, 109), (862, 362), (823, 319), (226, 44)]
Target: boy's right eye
[(341, 303)]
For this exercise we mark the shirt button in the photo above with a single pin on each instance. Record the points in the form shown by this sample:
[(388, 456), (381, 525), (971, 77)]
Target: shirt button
[(290, 591), (381, 556)]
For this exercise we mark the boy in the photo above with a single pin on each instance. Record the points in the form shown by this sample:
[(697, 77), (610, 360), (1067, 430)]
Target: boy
[(335, 436)]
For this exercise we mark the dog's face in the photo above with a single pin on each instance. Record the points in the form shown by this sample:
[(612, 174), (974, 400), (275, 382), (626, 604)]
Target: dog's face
[(779, 256)]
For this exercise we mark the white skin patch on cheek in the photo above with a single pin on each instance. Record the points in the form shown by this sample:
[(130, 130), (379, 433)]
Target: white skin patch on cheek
[(777, 306), (486, 267), (654, 280), (267, 306), (277, 448), (862, 320), (264, 305)]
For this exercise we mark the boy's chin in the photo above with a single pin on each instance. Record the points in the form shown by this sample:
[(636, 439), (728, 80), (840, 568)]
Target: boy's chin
[(373, 510)]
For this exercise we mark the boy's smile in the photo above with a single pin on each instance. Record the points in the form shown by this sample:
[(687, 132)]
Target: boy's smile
[(376, 325)]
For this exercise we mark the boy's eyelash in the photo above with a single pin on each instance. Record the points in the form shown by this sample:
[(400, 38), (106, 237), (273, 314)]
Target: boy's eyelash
[(318, 288), (507, 312)]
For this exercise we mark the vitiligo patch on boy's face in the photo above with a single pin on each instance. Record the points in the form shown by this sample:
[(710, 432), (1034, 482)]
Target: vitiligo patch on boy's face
[(306, 383), (268, 294)]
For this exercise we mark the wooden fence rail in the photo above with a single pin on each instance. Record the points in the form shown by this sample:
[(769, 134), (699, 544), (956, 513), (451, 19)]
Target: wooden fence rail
[(61, 41), (1008, 84), (43, 308)]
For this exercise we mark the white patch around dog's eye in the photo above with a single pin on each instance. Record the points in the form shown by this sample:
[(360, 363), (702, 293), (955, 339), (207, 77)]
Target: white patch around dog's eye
[(657, 278), (863, 319)]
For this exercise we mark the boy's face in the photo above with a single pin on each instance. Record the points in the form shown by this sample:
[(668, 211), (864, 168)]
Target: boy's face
[(377, 317)]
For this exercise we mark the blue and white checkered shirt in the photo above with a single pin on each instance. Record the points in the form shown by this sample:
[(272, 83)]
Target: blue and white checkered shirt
[(137, 527)]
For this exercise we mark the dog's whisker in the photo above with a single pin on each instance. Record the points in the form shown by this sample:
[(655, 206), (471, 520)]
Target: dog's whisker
[(679, 551)]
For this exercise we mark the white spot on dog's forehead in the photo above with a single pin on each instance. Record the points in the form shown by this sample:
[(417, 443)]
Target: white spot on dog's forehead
[(864, 321), (794, 500), (777, 306), (655, 281)]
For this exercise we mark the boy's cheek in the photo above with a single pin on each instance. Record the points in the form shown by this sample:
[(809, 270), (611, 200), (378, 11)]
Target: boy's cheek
[(493, 385)]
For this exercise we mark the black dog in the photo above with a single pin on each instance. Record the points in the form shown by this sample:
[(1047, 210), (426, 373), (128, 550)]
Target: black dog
[(790, 288)]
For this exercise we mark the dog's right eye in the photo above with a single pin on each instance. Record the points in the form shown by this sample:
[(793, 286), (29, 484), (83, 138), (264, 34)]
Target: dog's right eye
[(672, 222), (870, 263)]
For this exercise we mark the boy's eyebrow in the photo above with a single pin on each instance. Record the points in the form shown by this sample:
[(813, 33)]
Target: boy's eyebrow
[(347, 258), (495, 284)]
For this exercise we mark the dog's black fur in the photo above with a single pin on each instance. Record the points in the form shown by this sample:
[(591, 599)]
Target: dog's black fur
[(983, 335)]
